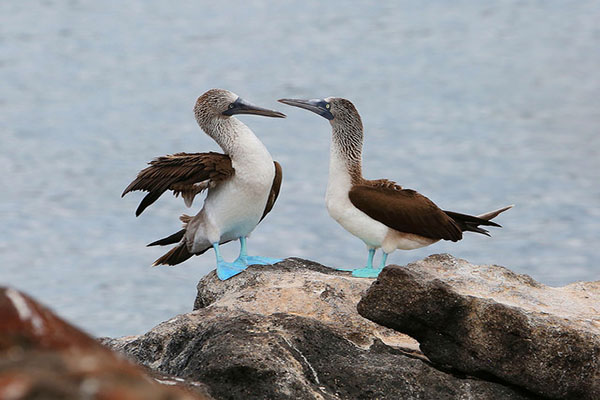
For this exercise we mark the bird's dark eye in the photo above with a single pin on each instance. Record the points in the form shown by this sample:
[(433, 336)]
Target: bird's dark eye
[(231, 106)]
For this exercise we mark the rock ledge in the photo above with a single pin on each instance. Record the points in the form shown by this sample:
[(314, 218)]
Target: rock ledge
[(485, 320)]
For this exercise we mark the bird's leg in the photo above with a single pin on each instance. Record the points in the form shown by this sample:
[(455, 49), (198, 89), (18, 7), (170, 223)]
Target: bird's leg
[(226, 270), (253, 260), (369, 271), (383, 260), (370, 259), (243, 257)]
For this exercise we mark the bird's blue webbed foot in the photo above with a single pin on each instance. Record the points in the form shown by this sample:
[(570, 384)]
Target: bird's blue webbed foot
[(345, 269), (253, 260), (226, 270), (258, 260), (369, 271), (366, 272)]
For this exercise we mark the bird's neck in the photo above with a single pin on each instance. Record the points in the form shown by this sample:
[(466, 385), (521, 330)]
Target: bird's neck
[(235, 138), (345, 158)]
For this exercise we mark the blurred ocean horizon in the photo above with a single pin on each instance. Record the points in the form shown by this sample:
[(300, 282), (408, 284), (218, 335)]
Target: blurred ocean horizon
[(476, 105)]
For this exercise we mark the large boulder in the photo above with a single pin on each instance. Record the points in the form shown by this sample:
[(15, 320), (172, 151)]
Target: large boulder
[(303, 288), (44, 357), (487, 321), (291, 331)]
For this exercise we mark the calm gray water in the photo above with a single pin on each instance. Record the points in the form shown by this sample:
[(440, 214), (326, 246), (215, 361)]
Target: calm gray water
[(473, 104)]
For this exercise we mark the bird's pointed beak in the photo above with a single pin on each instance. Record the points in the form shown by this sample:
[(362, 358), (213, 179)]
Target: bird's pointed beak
[(318, 106), (241, 106)]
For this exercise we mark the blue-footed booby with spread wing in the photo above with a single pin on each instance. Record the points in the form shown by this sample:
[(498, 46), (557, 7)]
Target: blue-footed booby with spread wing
[(380, 212), (243, 184)]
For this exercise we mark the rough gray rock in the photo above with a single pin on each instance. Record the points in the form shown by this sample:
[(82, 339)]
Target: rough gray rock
[(490, 322), (303, 288), (291, 331)]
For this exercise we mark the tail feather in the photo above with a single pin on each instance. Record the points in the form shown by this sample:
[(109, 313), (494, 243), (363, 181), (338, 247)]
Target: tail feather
[(477, 229), (178, 255), (471, 223), (174, 238), (493, 214), (174, 256)]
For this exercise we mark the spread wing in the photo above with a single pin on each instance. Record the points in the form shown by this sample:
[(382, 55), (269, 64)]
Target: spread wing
[(183, 173), (274, 189), (404, 210)]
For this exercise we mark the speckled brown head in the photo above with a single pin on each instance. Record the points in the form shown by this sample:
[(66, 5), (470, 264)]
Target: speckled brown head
[(222, 104), (347, 128), (335, 109)]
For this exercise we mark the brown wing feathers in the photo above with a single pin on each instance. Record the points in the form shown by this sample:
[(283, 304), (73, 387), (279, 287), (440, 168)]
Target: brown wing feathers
[(408, 211), (179, 172), (404, 210)]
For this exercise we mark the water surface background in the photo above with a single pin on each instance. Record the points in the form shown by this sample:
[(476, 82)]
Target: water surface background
[(475, 104)]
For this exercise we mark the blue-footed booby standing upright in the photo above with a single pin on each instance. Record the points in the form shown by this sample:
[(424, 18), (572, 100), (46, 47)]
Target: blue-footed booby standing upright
[(380, 212), (242, 184)]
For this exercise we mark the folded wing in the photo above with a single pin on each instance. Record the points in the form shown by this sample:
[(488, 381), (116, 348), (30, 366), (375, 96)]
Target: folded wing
[(274, 193), (404, 210)]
